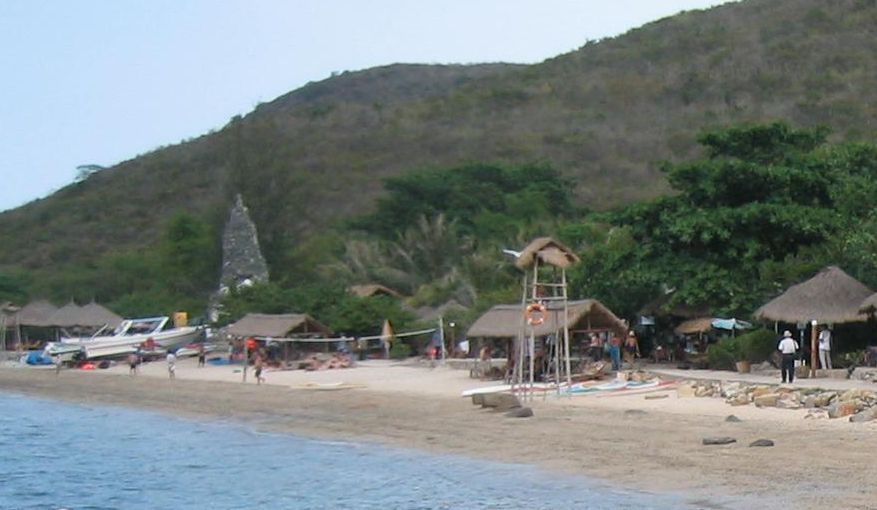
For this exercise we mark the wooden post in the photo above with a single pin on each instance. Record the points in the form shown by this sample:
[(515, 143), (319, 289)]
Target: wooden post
[(813, 346)]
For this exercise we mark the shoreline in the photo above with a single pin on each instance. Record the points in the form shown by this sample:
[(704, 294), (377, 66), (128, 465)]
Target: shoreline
[(624, 442)]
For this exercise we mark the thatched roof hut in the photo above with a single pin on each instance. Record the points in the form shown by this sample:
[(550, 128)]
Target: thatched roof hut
[(548, 251), (277, 326), (95, 315), (694, 326), (832, 296), (869, 305), (372, 289), (505, 321), (36, 313), (68, 316)]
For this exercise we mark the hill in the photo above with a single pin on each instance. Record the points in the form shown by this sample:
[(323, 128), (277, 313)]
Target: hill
[(603, 115)]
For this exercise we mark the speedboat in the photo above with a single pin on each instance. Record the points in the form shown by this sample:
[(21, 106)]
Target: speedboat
[(129, 337)]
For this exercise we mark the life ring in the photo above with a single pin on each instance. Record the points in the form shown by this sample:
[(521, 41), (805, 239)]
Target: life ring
[(535, 314)]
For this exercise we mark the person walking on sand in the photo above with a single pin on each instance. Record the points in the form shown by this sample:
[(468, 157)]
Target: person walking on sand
[(132, 364), (202, 355), (258, 365), (171, 365), (56, 359), (788, 347), (615, 351), (631, 348), (825, 348)]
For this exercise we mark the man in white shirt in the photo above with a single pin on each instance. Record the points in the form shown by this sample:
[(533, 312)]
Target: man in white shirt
[(788, 346), (825, 348)]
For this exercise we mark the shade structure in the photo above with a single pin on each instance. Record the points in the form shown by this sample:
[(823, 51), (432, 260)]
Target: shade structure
[(372, 289), (277, 325), (68, 316), (36, 313), (505, 321), (548, 251), (694, 326), (869, 305), (832, 296), (95, 315), (730, 324)]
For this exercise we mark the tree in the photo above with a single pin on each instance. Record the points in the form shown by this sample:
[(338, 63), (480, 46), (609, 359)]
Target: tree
[(764, 195)]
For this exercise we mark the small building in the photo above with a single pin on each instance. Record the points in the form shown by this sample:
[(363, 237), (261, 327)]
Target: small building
[(501, 325), (283, 329)]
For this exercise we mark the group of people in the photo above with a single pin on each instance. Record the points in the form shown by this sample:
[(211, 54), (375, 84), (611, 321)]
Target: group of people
[(789, 348), (615, 347)]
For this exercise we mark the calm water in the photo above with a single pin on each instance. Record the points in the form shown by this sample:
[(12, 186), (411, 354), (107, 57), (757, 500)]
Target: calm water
[(55, 455)]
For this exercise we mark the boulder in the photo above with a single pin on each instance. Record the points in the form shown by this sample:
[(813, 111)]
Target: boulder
[(761, 442), (841, 409), (520, 412), (788, 403), (741, 399), (733, 419), (760, 390), (768, 400), (685, 390), (818, 414), (864, 416), (500, 401), (718, 440)]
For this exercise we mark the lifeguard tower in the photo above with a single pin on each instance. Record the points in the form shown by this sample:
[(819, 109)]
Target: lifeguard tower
[(544, 315)]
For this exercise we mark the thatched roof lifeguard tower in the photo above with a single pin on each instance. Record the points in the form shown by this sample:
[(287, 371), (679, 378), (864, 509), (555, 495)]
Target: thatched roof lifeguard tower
[(544, 262)]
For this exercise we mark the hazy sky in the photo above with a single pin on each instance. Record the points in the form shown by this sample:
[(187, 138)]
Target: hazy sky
[(99, 82)]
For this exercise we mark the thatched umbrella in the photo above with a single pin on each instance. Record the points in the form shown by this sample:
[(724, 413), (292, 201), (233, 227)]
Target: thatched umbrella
[(36, 313), (548, 251), (832, 297), (95, 315), (869, 305)]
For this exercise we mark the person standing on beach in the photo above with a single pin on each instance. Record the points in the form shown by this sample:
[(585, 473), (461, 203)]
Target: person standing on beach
[(132, 363), (631, 348), (56, 359), (596, 347), (257, 365), (788, 347), (825, 348), (171, 365), (202, 355), (615, 351)]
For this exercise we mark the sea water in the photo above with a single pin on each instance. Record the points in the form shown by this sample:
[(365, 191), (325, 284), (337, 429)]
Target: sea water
[(56, 455)]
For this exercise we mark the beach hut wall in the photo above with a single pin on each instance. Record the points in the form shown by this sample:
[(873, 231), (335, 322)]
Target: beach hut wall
[(36, 314), (504, 321), (548, 251), (277, 325), (832, 296)]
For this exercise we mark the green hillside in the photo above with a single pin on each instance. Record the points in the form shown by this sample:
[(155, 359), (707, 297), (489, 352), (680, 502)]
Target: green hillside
[(603, 116)]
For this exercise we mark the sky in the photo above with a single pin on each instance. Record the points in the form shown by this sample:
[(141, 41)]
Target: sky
[(97, 82)]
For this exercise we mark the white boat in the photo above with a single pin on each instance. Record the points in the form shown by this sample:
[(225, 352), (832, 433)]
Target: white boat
[(130, 336)]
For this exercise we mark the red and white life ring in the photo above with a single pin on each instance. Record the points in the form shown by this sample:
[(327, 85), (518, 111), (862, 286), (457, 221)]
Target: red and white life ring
[(535, 314)]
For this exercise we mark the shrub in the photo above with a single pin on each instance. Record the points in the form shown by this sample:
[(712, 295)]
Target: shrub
[(399, 350), (758, 345), (723, 355)]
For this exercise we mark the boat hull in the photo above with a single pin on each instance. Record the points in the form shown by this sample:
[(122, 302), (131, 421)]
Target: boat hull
[(122, 345)]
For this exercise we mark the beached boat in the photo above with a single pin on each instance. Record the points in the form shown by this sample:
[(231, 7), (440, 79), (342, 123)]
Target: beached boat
[(130, 336)]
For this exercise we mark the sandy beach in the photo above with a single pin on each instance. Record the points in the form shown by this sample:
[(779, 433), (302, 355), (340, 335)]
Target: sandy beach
[(629, 442)]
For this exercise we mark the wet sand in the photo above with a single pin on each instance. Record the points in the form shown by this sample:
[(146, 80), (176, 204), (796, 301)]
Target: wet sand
[(630, 442)]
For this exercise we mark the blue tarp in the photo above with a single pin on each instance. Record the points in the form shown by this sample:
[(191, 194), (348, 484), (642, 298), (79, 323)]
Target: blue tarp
[(730, 324), (37, 358)]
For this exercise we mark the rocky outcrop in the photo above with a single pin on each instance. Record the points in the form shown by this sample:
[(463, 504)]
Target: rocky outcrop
[(858, 403), (242, 260)]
